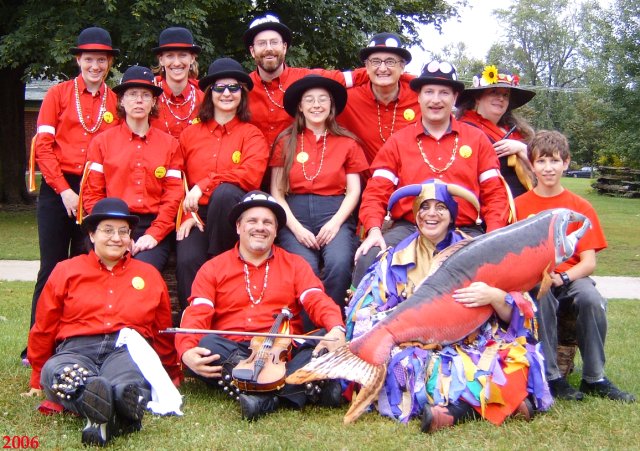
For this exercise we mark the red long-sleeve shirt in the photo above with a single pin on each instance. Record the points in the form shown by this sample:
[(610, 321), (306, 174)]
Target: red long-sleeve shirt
[(145, 172), (61, 142), (219, 299), (400, 163), (82, 297), (177, 112), (234, 153)]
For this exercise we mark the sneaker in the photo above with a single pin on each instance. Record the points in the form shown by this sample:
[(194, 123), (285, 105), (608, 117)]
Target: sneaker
[(96, 405), (560, 389), (606, 389), (130, 408), (255, 406)]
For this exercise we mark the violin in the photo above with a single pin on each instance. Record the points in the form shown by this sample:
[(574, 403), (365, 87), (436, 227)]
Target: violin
[(264, 370)]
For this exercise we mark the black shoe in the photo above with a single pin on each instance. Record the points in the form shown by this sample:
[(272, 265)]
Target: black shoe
[(331, 394), (255, 406), (438, 417), (96, 405), (560, 389), (130, 408), (606, 389)]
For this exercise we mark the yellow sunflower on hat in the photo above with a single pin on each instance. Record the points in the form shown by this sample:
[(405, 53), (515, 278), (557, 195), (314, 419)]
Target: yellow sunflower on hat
[(490, 74)]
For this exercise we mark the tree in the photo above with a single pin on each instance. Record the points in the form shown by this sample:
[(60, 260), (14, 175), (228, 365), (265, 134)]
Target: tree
[(36, 37)]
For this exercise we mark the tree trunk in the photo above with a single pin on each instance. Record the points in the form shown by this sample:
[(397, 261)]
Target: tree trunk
[(12, 137)]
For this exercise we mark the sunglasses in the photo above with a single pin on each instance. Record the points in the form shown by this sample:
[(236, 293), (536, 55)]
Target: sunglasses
[(220, 87)]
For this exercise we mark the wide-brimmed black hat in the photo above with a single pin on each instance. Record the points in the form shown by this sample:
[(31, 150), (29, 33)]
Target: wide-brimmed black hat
[(137, 77), (109, 208), (258, 199), (294, 93), (491, 78), (225, 68), (386, 42), (437, 73), (176, 38), (266, 22), (94, 39)]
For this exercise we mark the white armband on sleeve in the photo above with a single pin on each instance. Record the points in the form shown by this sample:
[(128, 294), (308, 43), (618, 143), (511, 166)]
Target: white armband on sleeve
[(385, 173), (348, 78), (305, 292), (96, 167), (174, 173), (202, 301), (47, 129), (486, 175)]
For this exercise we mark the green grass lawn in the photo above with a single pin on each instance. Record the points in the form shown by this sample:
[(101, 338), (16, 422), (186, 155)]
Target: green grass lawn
[(212, 421)]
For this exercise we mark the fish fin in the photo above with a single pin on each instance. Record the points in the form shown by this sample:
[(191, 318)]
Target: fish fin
[(343, 364), (442, 256), (546, 283)]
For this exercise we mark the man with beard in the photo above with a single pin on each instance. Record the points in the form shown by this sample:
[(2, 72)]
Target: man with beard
[(267, 39)]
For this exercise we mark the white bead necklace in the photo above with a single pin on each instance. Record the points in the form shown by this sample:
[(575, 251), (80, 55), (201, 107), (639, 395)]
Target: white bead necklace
[(304, 156), (269, 95), (248, 283), (190, 98), (103, 108)]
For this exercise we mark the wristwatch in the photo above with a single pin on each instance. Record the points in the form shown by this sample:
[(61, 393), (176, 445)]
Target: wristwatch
[(341, 329), (565, 279)]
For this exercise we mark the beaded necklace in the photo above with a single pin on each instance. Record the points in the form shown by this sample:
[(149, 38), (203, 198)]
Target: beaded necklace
[(393, 121), (269, 95), (190, 98), (103, 108), (448, 165), (248, 283), (304, 156)]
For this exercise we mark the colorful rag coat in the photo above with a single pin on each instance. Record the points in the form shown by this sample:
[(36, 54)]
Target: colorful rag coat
[(493, 369)]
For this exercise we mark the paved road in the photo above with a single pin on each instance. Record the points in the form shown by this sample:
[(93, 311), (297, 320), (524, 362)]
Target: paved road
[(610, 287)]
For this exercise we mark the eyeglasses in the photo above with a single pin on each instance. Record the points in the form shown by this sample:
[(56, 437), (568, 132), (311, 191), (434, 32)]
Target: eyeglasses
[(389, 62), (232, 87), (440, 209), (133, 95), (274, 43), (123, 232), (311, 100)]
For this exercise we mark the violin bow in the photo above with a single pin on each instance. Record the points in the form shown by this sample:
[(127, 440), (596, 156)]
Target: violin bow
[(182, 330)]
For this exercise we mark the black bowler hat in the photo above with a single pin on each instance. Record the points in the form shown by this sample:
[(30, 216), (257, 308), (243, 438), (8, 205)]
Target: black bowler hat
[(438, 73), (258, 199), (109, 208), (94, 39), (225, 68), (266, 22), (386, 42), (137, 77), (294, 93), (176, 38)]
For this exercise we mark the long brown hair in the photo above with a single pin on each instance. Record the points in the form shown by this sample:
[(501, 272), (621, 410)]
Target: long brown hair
[(291, 133)]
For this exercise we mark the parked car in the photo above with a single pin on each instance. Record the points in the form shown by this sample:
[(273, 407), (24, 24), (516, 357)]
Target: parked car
[(584, 172)]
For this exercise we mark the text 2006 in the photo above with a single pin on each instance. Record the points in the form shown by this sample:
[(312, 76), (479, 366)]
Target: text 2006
[(20, 442)]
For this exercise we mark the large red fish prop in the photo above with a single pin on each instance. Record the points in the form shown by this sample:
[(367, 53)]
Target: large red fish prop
[(514, 258)]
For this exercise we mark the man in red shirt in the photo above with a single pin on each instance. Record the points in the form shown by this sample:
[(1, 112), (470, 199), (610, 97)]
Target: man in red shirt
[(267, 39), (572, 286), (437, 146), (387, 104), (242, 289)]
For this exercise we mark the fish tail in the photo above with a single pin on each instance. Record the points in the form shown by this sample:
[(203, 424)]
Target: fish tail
[(343, 364)]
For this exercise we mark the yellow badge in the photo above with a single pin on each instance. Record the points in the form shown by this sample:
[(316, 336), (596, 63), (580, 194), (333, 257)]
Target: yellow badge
[(302, 157), (194, 121), (160, 172), (137, 282), (107, 117), (409, 114), (235, 157), (465, 151)]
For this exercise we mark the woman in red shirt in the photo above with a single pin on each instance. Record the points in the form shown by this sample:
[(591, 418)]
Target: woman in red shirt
[(316, 178), (72, 113), (178, 77), (489, 105), (224, 158), (139, 164)]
